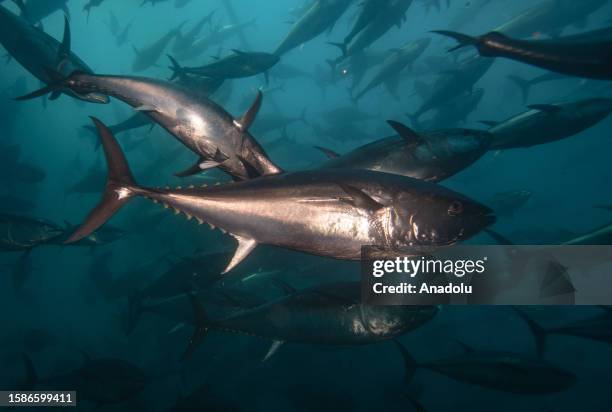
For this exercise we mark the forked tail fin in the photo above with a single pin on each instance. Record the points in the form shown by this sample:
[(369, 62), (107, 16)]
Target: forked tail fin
[(120, 185), (463, 39)]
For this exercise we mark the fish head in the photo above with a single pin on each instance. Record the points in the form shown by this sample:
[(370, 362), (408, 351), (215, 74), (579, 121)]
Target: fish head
[(596, 107), (76, 86), (391, 321), (436, 216)]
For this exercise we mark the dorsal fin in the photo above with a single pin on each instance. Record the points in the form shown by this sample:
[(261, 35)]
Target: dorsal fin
[(328, 152), (412, 137), (247, 119), (66, 45)]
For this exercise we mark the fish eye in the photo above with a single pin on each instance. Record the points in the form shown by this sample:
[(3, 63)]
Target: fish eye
[(344, 71), (455, 208)]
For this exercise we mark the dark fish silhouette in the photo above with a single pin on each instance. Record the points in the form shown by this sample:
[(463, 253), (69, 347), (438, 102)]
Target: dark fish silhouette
[(321, 16), (503, 371), (430, 156), (545, 123), (584, 55), (329, 314), (42, 55), (238, 65), (148, 56)]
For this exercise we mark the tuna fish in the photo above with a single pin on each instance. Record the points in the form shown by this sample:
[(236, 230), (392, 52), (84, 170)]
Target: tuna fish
[(321, 16), (393, 65), (451, 84), (238, 65), (392, 13), (23, 233), (545, 123), (148, 56), (329, 314), (323, 212), (502, 371), (582, 55), (42, 55), (431, 156), (200, 124)]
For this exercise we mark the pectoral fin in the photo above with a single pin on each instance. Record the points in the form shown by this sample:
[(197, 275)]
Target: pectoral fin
[(146, 108), (198, 167), (245, 246), (273, 349), (360, 199)]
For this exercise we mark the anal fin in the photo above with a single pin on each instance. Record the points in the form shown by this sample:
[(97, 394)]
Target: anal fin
[(245, 246)]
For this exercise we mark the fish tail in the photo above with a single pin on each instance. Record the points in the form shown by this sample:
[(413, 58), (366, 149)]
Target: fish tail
[(201, 325), (177, 70), (341, 46), (463, 39), (57, 83), (120, 185), (539, 333), (522, 84), (410, 363)]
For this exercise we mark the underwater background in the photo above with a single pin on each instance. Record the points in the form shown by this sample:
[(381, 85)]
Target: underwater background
[(65, 305)]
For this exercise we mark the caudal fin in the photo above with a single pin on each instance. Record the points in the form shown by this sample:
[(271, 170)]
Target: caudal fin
[(56, 84), (463, 39), (200, 323), (522, 84), (539, 333), (177, 70), (410, 364), (120, 185)]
